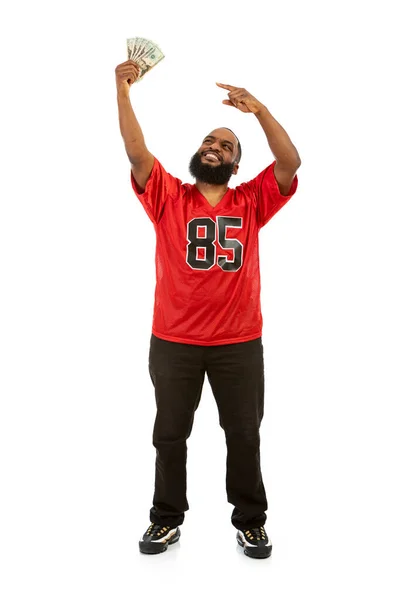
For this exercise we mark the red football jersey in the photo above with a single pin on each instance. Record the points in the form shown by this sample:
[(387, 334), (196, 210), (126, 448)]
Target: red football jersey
[(207, 262)]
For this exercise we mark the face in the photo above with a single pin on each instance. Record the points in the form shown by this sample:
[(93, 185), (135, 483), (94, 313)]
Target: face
[(214, 162)]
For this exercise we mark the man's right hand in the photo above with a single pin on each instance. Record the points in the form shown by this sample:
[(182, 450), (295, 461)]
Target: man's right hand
[(125, 75)]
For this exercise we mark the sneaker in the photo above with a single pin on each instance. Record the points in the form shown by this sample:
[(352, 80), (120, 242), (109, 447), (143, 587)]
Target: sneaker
[(157, 538), (255, 542)]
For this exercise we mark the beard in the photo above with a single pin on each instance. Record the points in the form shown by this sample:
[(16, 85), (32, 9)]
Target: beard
[(215, 175)]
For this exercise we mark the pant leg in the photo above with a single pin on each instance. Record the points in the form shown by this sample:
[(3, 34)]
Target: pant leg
[(177, 373), (236, 376)]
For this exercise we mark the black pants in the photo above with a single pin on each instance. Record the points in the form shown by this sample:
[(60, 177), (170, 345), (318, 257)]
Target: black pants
[(236, 376)]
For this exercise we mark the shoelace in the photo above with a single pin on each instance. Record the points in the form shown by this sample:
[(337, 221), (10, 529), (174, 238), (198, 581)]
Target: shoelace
[(157, 530), (256, 533)]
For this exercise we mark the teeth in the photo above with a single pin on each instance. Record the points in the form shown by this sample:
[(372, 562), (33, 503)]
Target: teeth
[(210, 155)]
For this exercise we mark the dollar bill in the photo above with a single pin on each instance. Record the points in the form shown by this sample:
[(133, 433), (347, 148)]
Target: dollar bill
[(145, 53), (138, 47)]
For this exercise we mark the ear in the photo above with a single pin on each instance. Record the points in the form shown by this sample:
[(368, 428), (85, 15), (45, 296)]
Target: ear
[(236, 169)]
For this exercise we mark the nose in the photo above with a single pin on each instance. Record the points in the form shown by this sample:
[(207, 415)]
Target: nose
[(215, 147)]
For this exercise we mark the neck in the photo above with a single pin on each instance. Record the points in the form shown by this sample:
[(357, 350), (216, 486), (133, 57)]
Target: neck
[(209, 189)]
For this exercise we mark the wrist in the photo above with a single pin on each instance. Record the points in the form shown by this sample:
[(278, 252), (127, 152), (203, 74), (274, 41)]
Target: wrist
[(261, 111), (123, 93)]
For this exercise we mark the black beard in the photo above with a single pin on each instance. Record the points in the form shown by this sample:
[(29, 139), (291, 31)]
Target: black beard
[(216, 175)]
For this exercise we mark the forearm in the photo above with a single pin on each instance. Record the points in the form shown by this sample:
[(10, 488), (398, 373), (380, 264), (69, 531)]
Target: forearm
[(130, 129), (279, 142)]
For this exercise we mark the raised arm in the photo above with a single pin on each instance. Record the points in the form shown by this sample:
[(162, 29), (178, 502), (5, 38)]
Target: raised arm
[(286, 155), (141, 159)]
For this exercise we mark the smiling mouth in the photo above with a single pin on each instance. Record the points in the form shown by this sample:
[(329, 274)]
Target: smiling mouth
[(210, 156)]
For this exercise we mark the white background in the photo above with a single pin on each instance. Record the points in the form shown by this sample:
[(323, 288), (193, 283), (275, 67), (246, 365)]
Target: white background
[(77, 287)]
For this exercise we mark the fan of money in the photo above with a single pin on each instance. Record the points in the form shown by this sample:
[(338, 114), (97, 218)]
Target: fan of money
[(144, 53)]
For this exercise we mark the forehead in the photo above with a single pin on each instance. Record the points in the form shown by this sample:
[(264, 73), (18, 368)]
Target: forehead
[(223, 135)]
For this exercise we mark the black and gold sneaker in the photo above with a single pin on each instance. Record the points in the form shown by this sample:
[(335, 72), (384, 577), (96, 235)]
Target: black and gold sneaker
[(255, 542), (157, 538)]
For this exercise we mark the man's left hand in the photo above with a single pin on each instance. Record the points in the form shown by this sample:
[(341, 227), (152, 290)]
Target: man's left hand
[(241, 99)]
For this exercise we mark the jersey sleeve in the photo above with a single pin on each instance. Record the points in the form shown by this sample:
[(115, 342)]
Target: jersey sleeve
[(159, 188), (266, 194)]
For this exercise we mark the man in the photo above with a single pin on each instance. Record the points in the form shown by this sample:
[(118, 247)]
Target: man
[(207, 316)]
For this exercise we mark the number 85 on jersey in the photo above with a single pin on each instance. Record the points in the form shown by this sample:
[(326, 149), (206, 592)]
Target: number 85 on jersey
[(201, 250)]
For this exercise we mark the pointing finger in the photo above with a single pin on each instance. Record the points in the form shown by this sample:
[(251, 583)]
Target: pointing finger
[(231, 88)]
